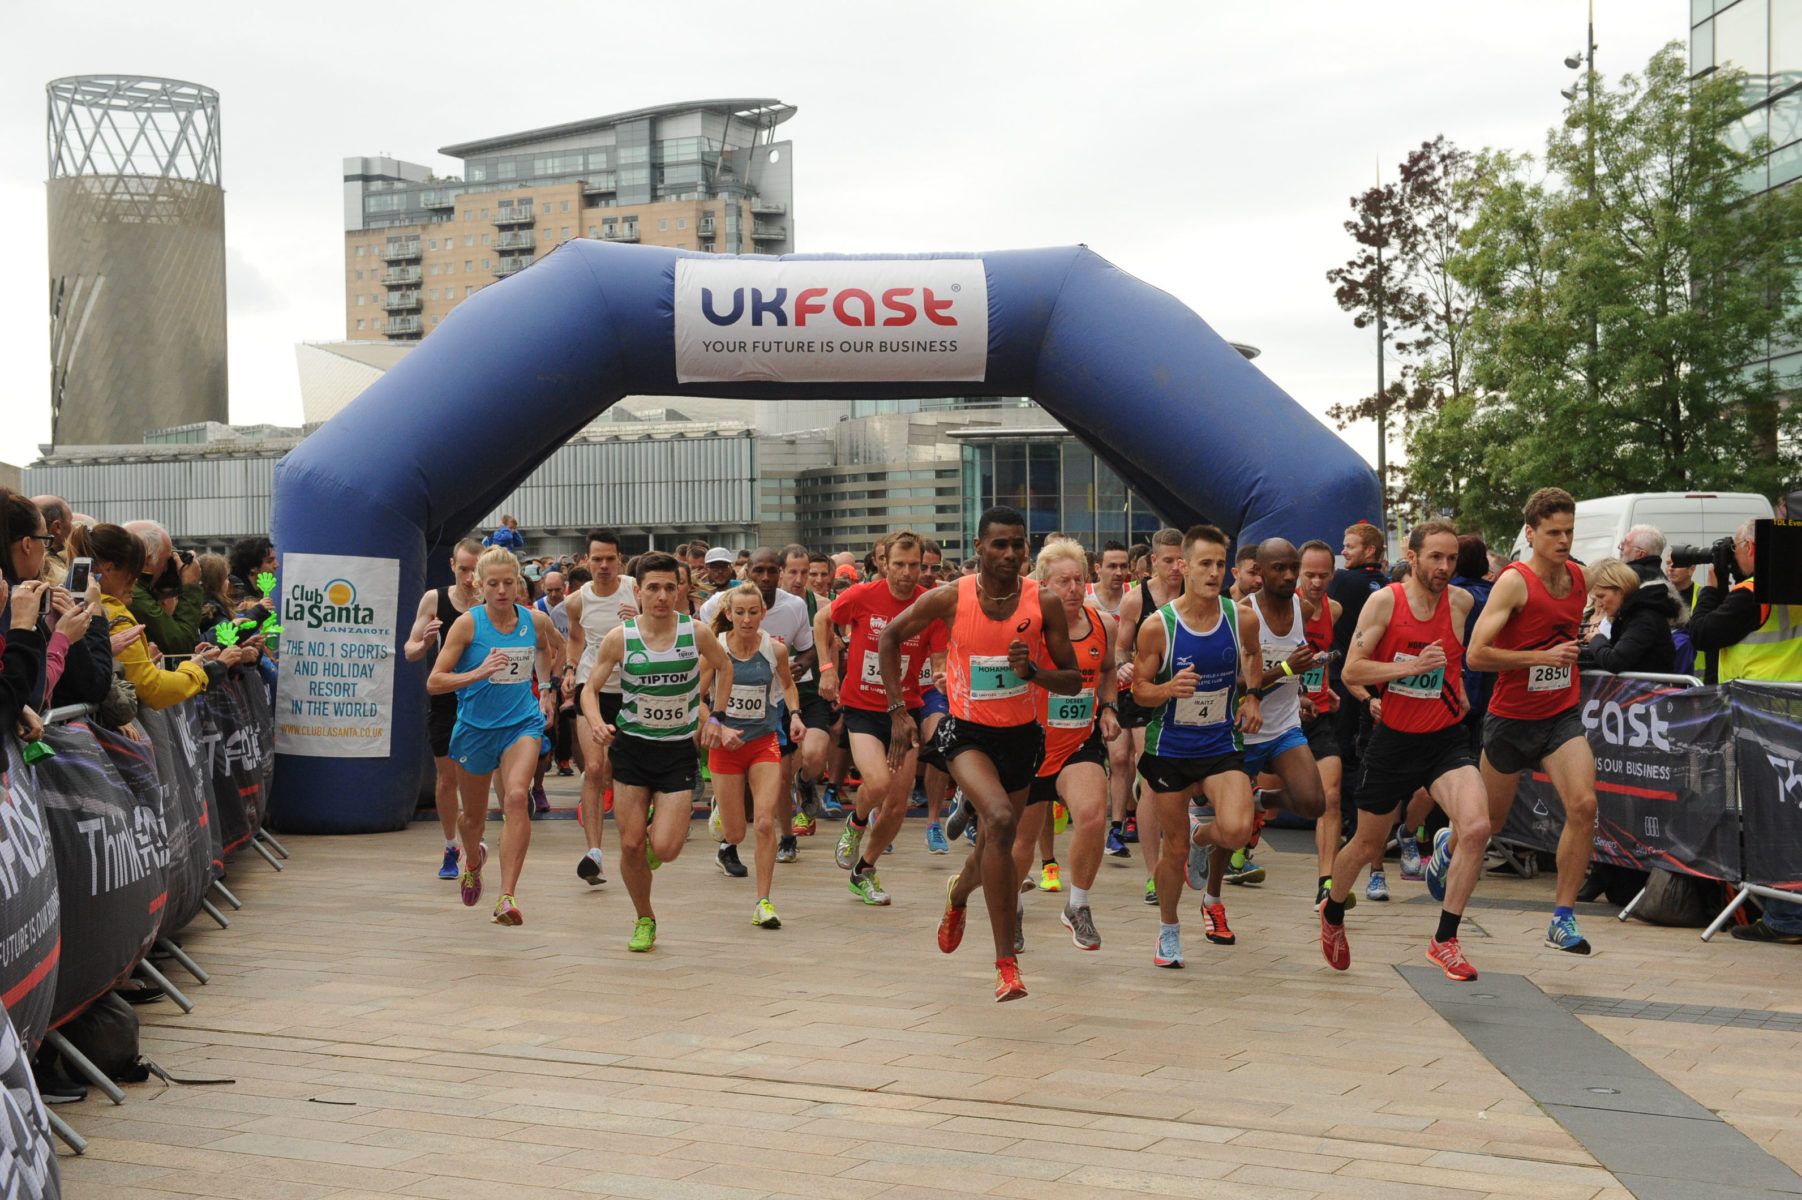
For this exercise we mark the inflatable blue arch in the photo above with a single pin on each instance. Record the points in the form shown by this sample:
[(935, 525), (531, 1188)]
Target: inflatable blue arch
[(428, 450)]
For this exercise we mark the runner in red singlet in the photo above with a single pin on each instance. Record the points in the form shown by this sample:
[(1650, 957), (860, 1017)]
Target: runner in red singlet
[(1409, 642), (1528, 635), (991, 740)]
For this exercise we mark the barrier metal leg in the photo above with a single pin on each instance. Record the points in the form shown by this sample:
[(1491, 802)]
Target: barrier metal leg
[(169, 989), (225, 892), (1739, 900), (61, 1129), (86, 1069), (206, 906), (1631, 905), (181, 956), (263, 835), (269, 858)]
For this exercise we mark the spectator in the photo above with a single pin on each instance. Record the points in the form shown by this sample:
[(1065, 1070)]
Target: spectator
[(73, 652), (1472, 574), (697, 554), (1640, 614), (22, 657), (119, 563), (251, 557), (1496, 565), (59, 522), (507, 536), (551, 602), (685, 589), (177, 631), (218, 603)]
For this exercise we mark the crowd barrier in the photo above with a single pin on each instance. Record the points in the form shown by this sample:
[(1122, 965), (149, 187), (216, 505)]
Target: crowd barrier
[(1702, 781), (112, 845)]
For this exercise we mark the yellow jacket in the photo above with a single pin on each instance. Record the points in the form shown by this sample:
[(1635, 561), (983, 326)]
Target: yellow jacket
[(156, 688)]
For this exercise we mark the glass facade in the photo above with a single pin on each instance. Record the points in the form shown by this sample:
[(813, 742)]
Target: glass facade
[(1059, 484), (1763, 38)]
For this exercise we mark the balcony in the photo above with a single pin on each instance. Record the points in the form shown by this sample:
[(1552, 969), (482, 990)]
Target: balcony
[(511, 266), (769, 233), (400, 251), (704, 228), (399, 301), (599, 185), (619, 233), (770, 207), (518, 214), (442, 198), (400, 276), (520, 239), (401, 326)]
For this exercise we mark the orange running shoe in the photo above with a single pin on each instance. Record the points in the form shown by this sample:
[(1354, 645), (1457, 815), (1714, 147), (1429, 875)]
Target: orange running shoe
[(1215, 917), (1448, 956), (1334, 946), (1008, 985), (951, 925)]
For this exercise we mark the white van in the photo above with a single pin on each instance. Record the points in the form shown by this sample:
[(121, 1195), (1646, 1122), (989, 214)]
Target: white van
[(1685, 519)]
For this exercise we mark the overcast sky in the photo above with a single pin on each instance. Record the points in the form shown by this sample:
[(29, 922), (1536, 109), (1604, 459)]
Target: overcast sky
[(1207, 147)]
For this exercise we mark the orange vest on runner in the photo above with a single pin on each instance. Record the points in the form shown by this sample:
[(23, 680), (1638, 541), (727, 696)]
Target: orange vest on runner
[(980, 685)]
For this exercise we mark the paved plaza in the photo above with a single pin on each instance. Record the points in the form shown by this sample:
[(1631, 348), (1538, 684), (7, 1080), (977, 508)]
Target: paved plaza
[(386, 1041)]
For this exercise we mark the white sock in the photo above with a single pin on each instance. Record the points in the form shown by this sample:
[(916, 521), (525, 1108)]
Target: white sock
[(1163, 928), (725, 845), (1210, 898), (1078, 896), (450, 843), (596, 855)]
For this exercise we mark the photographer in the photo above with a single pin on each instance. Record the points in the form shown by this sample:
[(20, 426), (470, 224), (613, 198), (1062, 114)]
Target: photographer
[(1743, 639), (78, 661), (22, 658), (176, 632), (118, 563)]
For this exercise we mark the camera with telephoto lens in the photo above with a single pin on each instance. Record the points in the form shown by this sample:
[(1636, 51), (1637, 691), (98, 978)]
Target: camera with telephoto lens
[(1700, 556)]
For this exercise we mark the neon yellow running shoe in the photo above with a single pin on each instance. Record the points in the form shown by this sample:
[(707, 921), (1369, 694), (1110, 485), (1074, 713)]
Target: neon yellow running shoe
[(650, 856), (764, 915), (1050, 878), (644, 935), (713, 823)]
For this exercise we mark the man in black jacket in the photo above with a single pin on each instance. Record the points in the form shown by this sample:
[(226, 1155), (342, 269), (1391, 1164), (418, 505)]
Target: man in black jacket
[(1353, 584), (1724, 614)]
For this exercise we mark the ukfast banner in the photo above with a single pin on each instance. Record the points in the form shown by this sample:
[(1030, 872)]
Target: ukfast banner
[(795, 321), (336, 690)]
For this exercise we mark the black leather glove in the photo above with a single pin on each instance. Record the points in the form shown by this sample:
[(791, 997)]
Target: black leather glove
[(1725, 564)]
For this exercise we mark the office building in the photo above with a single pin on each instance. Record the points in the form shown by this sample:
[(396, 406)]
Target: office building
[(137, 257), (702, 175)]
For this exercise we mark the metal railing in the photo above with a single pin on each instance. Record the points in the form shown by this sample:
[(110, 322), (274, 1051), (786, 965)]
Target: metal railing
[(401, 275), (511, 266), (400, 251), (401, 326), (518, 214), (619, 233), (401, 300), (774, 207), (768, 233), (519, 239)]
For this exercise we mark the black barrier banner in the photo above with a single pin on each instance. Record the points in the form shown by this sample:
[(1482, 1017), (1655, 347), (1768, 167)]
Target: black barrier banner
[(1767, 732), (30, 911), (111, 853), (1664, 781), (259, 739), (181, 793), (237, 768), (28, 1168)]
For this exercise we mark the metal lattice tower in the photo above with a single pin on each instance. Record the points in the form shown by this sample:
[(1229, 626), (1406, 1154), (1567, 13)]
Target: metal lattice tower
[(137, 257)]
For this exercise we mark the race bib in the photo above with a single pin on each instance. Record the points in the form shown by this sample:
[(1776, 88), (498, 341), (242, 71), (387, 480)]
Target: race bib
[(662, 712), (747, 701), (519, 665), (1548, 679), (926, 672), (1204, 708), (1425, 686), (1313, 680), (1071, 712), (992, 678), (871, 671)]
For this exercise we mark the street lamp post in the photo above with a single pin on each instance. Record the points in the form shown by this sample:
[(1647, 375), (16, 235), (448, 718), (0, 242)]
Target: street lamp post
[(1588, 62)]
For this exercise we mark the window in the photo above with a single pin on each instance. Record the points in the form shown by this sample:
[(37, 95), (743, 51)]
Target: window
[(484, 239), (359, 299), (681, 222), (565, 207), (361, 250), (359, 277), (468, 265), (662, 224), (468, 291), (431, 244), (1741, 38), (563, 232), (359, 322)]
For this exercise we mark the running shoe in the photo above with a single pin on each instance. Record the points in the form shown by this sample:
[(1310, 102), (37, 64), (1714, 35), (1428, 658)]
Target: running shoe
[(802, 825), (970, 830), (1115, 847), (764, 915), (644, 935), (959, 819), (1081, 924), (868, 888), (918, 797), (1197, 866), (1008, 985), (1440, 860), (951, 925), (590, 869), (541, 803), (807, 797), (650, 855), (1019, 930), (565, 770), (849, 842), (935, 839), (471, 881), (715, 828), (1214, 925), (507, 913), (1409, 850), (449, 869), (1029, 884), (1060, 817), (1151, 891), (727, 857), (1448, 956), (1170, 949), (1050, 878), (1333, 945), (1241, 869), (1129, 832), (1562, 934), (786, 851), (1351, 897), (1378, 887), (829, 805)]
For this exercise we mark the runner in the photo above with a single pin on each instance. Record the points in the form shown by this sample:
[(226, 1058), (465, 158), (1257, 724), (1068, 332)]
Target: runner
[(1528, 635), (652, 742), (1000, 624), (1108, 592), (761, 680), (819, 748), (488, 659), (438, 610), (1186, 669), (1317, 702), (1078, 730), (935, 779), (887, 777), (596, 609), (1164, 584), (1409, 641)]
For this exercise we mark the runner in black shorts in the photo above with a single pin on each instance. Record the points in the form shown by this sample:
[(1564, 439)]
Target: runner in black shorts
[(1164, 584), (438, 610)]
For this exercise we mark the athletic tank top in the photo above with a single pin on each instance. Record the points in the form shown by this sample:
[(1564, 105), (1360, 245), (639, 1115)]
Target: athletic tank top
[(1068, 720), (1280, 709), (445, 702), (505, 700), (1535, 693), (1145, 605), (1428, 702), (1095, 598), (979, 683), (1201, 725), (752, 708), (1317, 680), (659, 688), (600, 616)]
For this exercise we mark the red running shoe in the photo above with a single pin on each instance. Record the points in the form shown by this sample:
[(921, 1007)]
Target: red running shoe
[(1448, 956), (1334, 946), (951, 925), (1215, 917), (1007, 980)]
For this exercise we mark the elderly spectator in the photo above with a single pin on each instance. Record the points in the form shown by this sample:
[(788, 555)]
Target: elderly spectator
[(177, 631), (119, 562), (59, 522), (507, 536), (76, 652), (1640, 614)]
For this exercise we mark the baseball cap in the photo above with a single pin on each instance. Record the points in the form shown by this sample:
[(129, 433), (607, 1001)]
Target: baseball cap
[(719, 554)]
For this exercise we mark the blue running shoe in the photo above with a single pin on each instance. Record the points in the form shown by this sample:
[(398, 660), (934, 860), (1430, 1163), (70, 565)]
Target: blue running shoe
[(829, 805), (1115, 847), (449, 870), (1378, 888), (1562, 935), (935, 839), (1436, 865), (1170, 949)]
